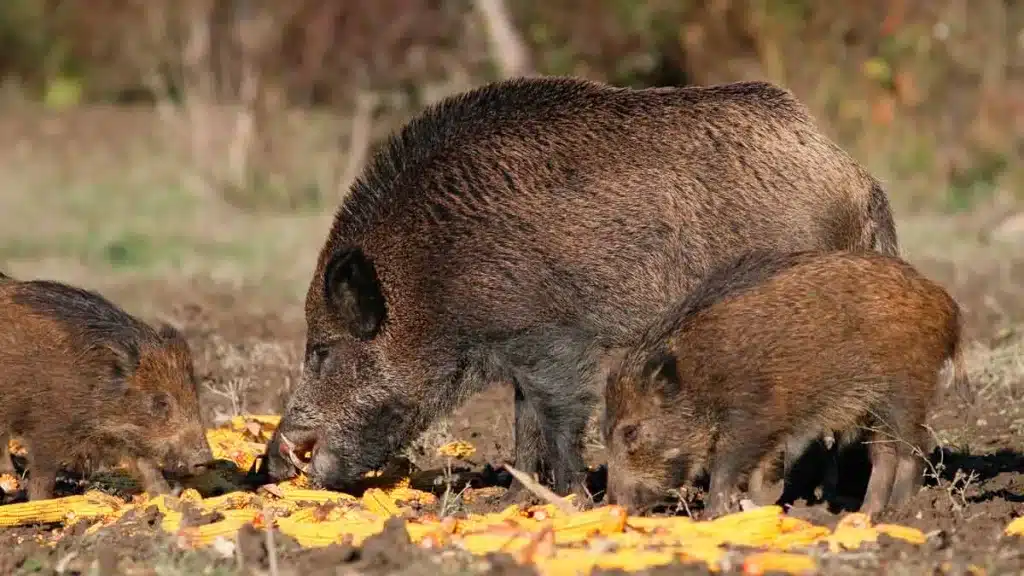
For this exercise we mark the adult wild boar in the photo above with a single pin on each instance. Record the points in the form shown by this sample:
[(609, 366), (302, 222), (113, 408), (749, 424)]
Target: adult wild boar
[(517, 231)]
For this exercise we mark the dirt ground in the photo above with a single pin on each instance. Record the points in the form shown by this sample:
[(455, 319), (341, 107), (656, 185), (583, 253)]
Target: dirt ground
[(247, 356), (246, 331)]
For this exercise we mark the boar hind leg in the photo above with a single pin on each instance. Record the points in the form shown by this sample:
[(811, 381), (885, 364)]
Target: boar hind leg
[(909, 469), (6, 464), (883, 473)]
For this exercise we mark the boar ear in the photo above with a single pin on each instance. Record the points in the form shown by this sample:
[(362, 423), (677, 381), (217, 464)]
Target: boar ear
[(353, 292), (663, 375)]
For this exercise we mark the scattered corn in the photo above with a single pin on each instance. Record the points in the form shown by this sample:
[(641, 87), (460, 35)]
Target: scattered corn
[(457, 449), (67, 510), (555, 542), (1015, 527), (763, 562), (9, 483)]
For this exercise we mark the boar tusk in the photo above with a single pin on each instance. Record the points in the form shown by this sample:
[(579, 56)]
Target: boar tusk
[(289, 447)]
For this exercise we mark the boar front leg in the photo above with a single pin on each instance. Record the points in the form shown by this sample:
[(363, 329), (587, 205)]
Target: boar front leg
[(528, 444), (549, 438)]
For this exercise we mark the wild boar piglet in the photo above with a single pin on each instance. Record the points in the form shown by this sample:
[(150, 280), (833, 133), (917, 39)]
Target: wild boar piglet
[(81, 379), (770, 352)]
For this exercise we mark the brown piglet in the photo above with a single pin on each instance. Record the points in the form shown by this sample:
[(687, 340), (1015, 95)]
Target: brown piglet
[(83, 380), (771, 352)]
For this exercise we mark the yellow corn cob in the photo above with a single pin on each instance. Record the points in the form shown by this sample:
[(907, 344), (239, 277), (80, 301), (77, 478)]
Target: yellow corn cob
[(512, 513), (300, 481), (377, 501), (580, 527), (16, 448), (326, 533), (171, 521), (8, 483), (732, 521), (632, 560), (207, 533), (763, 562), (912, 535), (410, 495), (798, 539), (231, 501), (418, 532), (567, 562), (667, 524), (854, 520), (190, 495), (457, 449), (487, 542), (850, 538), (542, 512), (318, 496), (1014, 528), (706, 552), (69, 509), (238, 423)]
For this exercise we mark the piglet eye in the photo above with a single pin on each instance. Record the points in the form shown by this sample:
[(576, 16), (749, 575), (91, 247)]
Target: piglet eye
[(161, 405), (630, 434)]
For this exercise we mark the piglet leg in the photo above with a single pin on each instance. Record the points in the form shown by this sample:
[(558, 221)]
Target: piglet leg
[(908, 479), (42, 478), (153, 481), (883, 473), (6, 464)]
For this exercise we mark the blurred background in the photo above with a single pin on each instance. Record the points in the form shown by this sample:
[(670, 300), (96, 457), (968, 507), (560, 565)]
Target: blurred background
[(212, 139)]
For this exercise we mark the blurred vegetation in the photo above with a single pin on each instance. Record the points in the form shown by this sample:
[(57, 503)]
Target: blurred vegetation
[(928, 93)]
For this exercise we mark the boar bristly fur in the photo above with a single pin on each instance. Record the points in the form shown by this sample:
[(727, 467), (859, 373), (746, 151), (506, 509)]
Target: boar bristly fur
[(770, 352), (515, 232)]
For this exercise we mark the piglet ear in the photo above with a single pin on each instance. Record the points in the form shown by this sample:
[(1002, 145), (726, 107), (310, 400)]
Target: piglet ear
[(169, 333), (353, 293), (662, 373), (125, 363), (173, 337)]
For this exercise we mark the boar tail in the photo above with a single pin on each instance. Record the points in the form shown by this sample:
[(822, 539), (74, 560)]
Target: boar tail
[(961, 381), (882, 223), (4, 277)]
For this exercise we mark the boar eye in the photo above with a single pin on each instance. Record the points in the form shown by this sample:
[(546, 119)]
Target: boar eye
[(318, 355), (630, 434)]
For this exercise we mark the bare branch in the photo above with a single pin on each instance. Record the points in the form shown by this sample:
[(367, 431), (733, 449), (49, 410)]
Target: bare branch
[(507, 48)]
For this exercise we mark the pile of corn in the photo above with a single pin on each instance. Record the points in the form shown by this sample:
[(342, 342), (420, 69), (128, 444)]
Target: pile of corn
[(554, 541)]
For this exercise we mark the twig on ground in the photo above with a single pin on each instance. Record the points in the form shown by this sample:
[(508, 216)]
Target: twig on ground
[(540, 490)]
